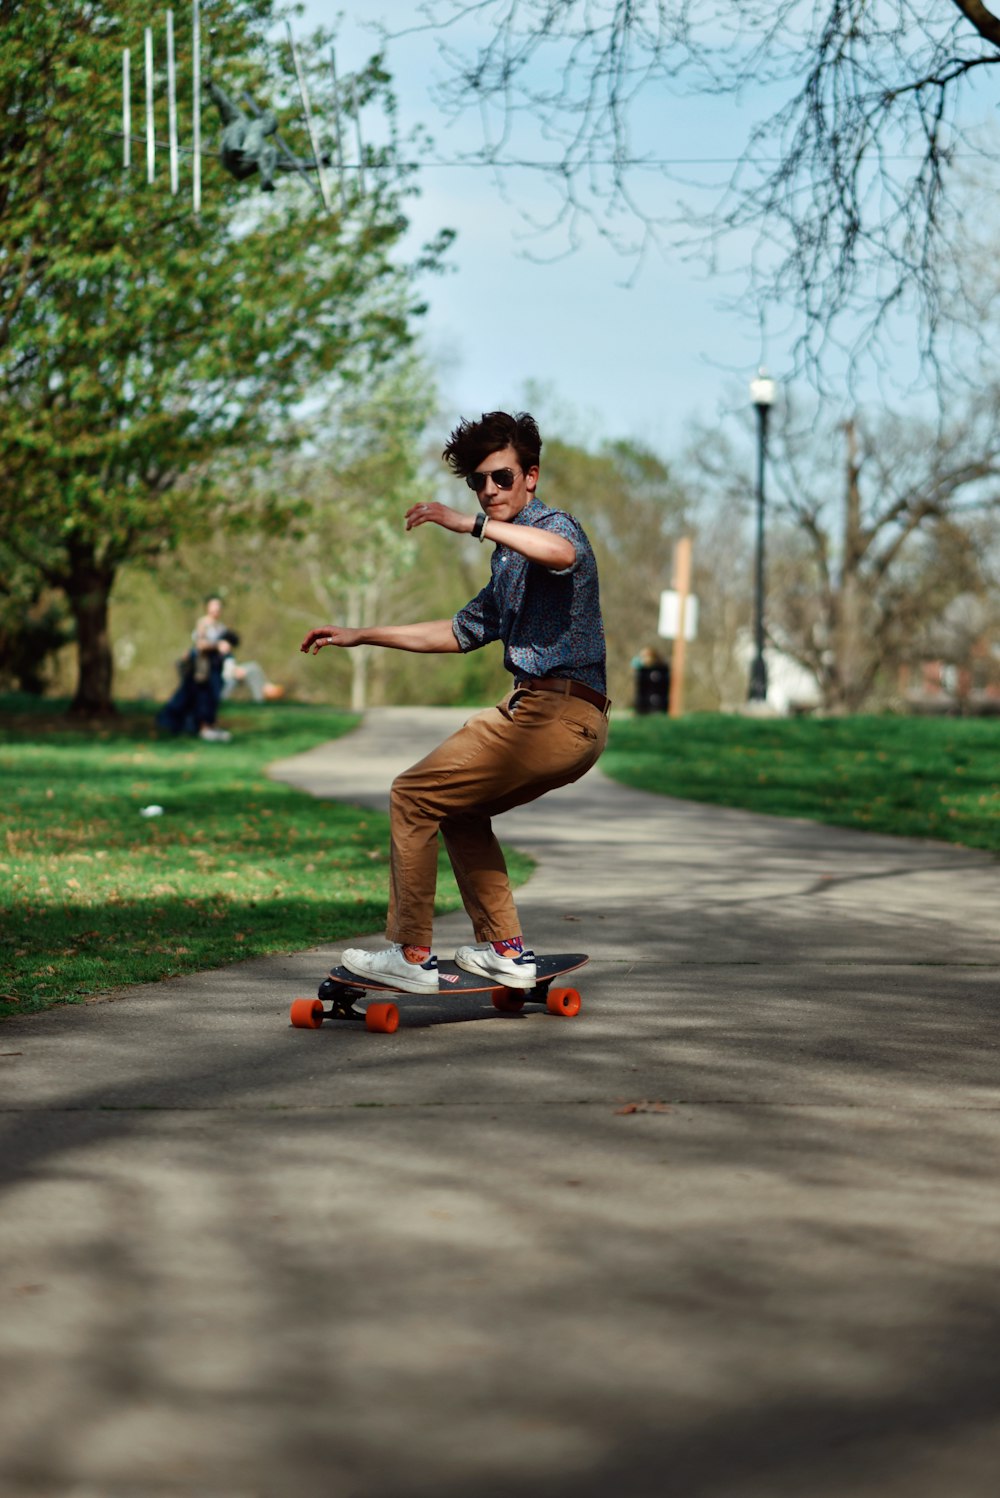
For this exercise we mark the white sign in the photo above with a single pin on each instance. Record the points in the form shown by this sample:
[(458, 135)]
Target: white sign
[(670, 609)]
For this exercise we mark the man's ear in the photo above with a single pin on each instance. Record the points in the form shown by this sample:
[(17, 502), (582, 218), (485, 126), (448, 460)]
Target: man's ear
[(531, 478)]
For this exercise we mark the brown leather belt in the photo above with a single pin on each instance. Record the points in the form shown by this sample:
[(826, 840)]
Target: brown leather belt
[(567, 688)]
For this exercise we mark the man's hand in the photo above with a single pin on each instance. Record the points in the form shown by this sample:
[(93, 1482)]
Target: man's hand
[(330, 634), (531, 541), (435, 514)]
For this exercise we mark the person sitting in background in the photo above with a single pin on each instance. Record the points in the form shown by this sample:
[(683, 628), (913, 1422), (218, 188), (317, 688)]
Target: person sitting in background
[(246, 674), (194, 706), (210, 650)]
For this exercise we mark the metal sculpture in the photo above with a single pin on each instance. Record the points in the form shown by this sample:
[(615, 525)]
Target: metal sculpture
[(250, 143)]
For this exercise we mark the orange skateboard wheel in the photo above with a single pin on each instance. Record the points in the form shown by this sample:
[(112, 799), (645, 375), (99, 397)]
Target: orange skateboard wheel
[(564, 1001), (382, 1018), (307, 1014), (506, 1001)]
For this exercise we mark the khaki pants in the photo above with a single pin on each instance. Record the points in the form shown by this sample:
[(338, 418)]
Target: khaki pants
[(531, 743)]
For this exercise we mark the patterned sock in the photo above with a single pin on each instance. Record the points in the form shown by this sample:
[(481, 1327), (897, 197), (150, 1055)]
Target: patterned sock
[(509, 943), (416, 954)]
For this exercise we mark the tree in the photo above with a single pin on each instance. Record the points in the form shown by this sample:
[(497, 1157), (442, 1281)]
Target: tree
[(874, 529), (148, 357), (358, 483), (850, 178), (633, 510), (33, 625), (965, 642)]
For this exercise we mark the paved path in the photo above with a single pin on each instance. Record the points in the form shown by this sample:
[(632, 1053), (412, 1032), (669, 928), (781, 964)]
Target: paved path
[(242, 1261)]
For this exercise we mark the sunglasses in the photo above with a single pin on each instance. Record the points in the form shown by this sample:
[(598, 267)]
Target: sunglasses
[(502, 477)]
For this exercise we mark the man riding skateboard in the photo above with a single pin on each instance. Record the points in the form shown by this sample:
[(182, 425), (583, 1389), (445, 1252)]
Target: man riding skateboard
[(542, 601)]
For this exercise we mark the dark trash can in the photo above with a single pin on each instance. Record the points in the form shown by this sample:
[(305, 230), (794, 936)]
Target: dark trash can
[(652, 689)]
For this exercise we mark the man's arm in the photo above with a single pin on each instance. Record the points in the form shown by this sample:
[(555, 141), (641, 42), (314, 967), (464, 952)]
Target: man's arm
[(541, 546), (435, 637)]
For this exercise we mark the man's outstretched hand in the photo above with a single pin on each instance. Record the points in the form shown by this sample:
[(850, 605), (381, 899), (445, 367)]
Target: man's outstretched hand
[(438, 514), (330, 634)]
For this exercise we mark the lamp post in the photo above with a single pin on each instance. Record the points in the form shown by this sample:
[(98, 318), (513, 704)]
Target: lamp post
[(762, 392)]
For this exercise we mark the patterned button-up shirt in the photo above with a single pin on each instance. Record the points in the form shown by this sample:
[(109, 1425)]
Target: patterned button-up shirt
[(550, 622)]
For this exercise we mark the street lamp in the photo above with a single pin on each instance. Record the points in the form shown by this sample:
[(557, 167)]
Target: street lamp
[(762, 392)]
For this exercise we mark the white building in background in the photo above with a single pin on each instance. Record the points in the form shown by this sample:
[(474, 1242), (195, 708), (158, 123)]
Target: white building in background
[(790, 687)]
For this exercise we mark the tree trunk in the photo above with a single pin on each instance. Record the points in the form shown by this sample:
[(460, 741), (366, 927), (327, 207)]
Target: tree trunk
[(846, 688), (88, 589), (360, 655)]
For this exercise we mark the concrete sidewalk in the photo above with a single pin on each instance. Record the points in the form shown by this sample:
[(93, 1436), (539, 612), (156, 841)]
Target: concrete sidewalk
[(729, 1234)]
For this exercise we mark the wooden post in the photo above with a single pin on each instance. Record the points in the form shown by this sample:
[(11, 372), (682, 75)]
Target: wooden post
[(682, 586)]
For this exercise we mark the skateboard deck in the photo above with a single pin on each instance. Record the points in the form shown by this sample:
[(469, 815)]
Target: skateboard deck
[(341, 988)]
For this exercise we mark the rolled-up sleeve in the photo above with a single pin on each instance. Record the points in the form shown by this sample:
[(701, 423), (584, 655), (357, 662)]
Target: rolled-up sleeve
[(478, 623), (558, 523)]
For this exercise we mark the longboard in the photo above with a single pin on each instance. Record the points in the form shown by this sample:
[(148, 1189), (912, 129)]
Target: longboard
[(342, 988)]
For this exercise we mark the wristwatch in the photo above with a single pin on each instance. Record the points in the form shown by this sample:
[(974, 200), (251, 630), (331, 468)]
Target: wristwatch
[(477, 526)]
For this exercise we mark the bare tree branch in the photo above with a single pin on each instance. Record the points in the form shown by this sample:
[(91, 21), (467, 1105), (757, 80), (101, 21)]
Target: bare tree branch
[(987, 24), (849, 185)]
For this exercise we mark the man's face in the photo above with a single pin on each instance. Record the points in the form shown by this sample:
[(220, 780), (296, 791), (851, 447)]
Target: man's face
[(504, 504)]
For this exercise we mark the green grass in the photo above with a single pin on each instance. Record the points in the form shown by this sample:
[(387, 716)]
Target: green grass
[(95, 896), (914, 777)]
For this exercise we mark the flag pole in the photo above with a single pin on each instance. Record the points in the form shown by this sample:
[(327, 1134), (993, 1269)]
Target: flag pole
[(126, 109), (172, 105), (304, 91), (196, 105)]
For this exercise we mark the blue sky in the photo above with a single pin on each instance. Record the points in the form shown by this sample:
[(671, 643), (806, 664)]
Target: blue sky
[(645, 357), (628, 360)]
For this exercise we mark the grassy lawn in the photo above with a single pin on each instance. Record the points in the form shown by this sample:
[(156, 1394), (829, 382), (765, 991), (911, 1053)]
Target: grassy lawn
[(94, 895), (915, 777)]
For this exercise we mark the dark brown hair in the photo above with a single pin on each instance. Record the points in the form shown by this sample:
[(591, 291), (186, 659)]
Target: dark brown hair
[(472, 441)]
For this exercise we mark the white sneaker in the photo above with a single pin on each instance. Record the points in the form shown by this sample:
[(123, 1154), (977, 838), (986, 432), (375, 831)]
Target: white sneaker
[(512, 971), (391, 968), (215, 735)]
